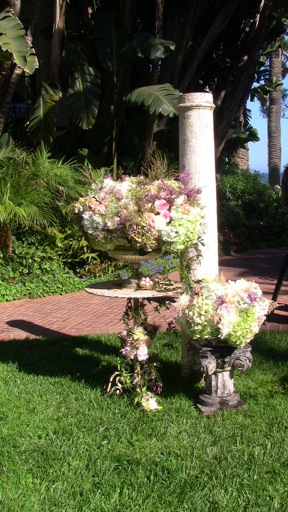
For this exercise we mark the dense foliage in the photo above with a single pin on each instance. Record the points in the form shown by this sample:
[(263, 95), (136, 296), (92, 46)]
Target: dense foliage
[(250, 214), (109, 57)]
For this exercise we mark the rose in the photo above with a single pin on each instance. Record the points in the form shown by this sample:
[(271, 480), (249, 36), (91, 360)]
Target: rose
[(165, 215), (161, 205)]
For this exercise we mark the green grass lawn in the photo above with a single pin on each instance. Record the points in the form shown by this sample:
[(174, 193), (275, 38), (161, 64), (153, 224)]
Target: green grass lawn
[(66, 447)]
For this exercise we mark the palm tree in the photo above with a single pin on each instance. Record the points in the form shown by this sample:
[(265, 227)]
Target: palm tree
[(114, 48), (274, 117), (34, 191)]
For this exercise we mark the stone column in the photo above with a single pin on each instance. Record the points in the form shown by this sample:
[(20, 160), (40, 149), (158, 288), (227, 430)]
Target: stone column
[(197, 157)]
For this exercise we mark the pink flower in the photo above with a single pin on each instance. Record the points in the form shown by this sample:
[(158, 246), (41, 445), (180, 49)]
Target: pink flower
[(165, 215), (161, 205), (142, 352), (150, 219), (226, 309), (127, 352), (146, 282)]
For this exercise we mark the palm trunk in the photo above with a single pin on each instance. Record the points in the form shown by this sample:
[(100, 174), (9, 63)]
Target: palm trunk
[(155, 71), (58, 30), (241, 158), (274, 120), (17, 72)]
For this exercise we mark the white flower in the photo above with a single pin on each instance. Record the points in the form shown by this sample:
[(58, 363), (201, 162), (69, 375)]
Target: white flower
[(160, 223), (149, 402), (180, 200)]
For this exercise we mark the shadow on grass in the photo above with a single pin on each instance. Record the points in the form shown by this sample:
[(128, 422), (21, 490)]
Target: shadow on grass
[(273, 346), (90, 359), (80, 358)]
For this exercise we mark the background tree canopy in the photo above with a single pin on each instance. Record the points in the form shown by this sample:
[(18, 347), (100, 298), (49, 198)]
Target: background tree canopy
[(110, 72)]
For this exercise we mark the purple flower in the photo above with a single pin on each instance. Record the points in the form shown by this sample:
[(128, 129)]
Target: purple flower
[(220, 301), (191, 193), (252, 297), (184, 177)]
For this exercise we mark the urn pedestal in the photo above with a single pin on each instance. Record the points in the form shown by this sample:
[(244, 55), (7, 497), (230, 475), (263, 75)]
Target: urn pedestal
[(134, 259), (217, 363)]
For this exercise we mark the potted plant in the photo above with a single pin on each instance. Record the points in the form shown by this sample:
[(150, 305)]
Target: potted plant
[(221, 318)]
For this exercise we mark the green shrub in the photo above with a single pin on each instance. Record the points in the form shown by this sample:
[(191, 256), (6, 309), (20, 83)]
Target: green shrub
[(33, 272), (250, 214)]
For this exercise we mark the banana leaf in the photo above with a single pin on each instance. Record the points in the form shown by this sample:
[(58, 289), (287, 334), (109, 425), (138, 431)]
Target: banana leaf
[(144, 44), (41, 125), (13, 41), (83, 96), (158, 99)]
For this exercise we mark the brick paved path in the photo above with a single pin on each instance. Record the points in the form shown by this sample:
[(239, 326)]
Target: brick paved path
[(82, 313)]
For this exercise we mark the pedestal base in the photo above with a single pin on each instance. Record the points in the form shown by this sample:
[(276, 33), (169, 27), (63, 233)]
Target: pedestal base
[(207, 404)]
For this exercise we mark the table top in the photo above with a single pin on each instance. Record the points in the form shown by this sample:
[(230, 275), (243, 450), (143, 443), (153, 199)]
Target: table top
[(115, 289)]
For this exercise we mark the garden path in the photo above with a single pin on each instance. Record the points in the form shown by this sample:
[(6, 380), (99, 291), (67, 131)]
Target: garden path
[(81, 313)]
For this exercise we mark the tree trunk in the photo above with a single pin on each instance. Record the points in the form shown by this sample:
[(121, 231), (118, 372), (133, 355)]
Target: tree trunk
[(274, 119), (6, 239), (58, 31), (241, 158), (17, 72), (159, 8)]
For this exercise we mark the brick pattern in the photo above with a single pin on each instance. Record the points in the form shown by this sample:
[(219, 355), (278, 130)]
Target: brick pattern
[(81, 313)]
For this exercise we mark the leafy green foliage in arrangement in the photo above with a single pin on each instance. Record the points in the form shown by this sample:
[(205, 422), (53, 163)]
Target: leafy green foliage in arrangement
[(160, 266), (57, 424), (250, 214)]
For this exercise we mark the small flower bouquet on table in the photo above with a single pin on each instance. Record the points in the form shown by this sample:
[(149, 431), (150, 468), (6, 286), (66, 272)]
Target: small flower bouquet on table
[(135, 213)]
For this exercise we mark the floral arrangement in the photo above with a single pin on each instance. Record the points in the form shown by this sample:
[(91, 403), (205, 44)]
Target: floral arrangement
[(135, 371), (136, 343), (232, 311), (134, 212)]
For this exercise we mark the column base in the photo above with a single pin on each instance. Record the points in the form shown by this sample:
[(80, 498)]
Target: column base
[(207, 404)]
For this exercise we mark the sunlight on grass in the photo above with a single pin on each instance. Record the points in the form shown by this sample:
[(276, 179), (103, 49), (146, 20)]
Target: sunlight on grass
[(67, 447)]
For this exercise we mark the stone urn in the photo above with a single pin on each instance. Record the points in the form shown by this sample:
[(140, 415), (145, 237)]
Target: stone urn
[(217, 362), (134, 258)]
